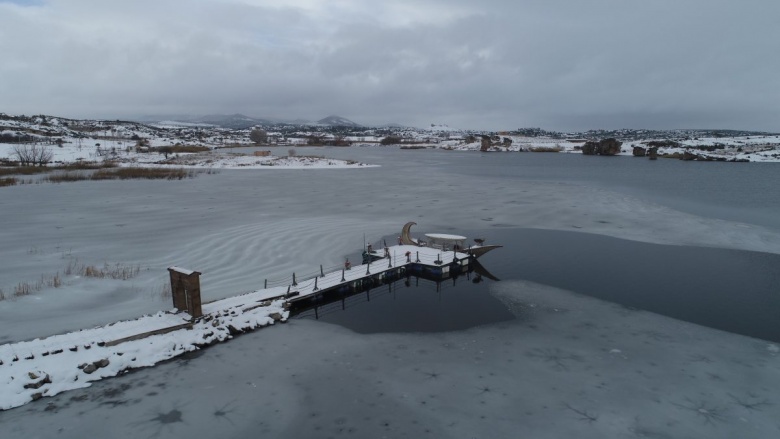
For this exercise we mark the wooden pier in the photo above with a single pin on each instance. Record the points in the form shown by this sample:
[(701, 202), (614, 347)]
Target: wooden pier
[(399, 261), (44, 367)]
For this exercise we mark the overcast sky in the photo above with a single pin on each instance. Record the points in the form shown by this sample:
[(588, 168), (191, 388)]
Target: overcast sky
[(489, 64)]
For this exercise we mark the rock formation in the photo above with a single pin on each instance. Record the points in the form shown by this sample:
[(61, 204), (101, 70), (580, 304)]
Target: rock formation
[(486, 143), (603, 147), (653, 153)]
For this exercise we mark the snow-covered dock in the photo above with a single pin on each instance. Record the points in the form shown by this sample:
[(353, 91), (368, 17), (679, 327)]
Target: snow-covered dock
[(30, 370), (392, 263)]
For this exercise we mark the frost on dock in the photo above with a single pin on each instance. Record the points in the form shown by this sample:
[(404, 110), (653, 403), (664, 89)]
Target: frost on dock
[(30, 370)]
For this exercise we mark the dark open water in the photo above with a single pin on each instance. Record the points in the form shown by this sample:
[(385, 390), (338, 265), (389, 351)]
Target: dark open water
[(732, 290)]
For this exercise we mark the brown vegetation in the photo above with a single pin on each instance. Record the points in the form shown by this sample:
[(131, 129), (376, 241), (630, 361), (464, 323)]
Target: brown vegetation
[(67, 177), (27, 288), (74, 268), (124, 174), (30, 155), (258, 136), (545, 149), (32, 170), (117, 271), (143, 173), (391, 140)]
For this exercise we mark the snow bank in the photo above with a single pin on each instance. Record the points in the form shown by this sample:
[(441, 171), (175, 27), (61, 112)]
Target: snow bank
[(33, 369), (569, 366)]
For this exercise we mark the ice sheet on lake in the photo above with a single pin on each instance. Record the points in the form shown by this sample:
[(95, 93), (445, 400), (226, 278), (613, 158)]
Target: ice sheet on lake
[(239, 228), (569, 366)]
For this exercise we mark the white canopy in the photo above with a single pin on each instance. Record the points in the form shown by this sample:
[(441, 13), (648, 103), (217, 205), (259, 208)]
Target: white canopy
[(445, 237)]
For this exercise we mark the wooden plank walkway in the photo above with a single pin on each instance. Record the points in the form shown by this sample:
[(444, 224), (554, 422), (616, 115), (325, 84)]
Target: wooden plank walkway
[(434, 261)]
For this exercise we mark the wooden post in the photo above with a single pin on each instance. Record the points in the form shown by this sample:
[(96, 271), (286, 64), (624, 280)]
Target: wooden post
[(295, 284), (342, 276), (315, 284), (185, 289)]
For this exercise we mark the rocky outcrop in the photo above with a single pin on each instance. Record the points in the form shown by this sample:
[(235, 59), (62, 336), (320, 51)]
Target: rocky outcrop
[(486, 143), (653, 153), (663, 143), (639, 151), (89, 368), (688, 156), (37, 384), (602, 147)]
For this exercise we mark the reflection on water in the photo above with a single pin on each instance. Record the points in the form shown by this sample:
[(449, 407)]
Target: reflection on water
[(731, 290), (415, 304)]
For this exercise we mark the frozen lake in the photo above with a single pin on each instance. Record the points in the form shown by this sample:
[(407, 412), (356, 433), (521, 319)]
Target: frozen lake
[(638, 299)]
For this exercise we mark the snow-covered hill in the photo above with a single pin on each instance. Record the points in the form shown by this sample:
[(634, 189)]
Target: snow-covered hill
[(92, 138), (337, 121)]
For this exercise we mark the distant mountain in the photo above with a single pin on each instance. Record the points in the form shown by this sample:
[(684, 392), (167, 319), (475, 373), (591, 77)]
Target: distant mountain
[(440, 127), (338, 121), (234, 121), (241, 121)]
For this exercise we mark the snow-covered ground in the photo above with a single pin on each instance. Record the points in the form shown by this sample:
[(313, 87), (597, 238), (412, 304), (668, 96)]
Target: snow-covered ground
[(45, 367), (748, 148), (98, 139), (217, 159), (568, 366), (132, 144)]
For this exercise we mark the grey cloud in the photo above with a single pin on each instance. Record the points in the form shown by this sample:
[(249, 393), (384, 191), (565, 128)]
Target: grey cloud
[(493, 65)]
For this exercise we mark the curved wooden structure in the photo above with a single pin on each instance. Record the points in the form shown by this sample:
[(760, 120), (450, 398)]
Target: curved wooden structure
[(407, 239), (475, 250)]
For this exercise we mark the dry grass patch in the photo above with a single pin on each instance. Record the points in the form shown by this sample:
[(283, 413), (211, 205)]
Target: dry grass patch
[(143, 173), (34, 170), (86, 166), (117, 271), (24, 170), (545, 149), (124, 174), (10, 181), (67, 177), (27, 288)]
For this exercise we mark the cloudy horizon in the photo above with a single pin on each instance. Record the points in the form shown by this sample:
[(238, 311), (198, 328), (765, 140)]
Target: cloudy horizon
[(493, 65)]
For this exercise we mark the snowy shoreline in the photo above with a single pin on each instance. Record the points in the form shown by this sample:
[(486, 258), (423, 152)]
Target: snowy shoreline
[(97, 140), (30, 370)]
